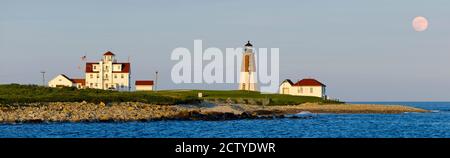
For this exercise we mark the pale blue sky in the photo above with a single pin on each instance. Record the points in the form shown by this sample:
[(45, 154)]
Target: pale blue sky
[(362, 50)]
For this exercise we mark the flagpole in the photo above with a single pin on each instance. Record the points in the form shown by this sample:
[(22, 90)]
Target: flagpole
[(83, 60), (156, 80), (129, 76)]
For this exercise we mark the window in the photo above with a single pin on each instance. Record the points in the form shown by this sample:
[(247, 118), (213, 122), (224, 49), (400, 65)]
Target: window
[(122, 76), (301, 90), (243, 86), (91, 85), (95, 67), (311, 90), (98, 76), (92, 76), (106, 68), (115, 76), (96, 84), (106, 76)]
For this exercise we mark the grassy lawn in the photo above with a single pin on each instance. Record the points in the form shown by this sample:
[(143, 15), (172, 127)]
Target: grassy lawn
[(14, 93)]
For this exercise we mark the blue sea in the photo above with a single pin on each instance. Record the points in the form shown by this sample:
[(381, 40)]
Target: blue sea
[(435, 124)]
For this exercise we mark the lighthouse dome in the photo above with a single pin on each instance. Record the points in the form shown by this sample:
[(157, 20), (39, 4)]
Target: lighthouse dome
[(248, 44)]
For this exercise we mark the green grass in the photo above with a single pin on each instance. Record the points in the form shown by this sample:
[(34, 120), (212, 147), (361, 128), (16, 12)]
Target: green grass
[(249, 97), (14, 93)]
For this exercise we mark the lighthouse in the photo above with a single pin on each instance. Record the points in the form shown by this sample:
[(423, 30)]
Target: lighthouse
[(248, 69)]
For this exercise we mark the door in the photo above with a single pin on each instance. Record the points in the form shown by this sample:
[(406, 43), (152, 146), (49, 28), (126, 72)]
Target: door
[(285, 91)]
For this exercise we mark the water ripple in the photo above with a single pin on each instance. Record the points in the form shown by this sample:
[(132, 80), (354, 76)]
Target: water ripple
[(408, 125)]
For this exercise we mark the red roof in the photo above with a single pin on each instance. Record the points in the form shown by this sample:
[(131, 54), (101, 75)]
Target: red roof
[(309, 82), (144, 82), (90, 67), (78, 80), (108, 53), (126, 67)]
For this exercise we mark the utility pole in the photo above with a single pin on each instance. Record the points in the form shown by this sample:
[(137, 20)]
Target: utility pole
[(156, 80), (43, 78)]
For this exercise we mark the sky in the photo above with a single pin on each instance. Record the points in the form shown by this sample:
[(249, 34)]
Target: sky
[(362, 50)]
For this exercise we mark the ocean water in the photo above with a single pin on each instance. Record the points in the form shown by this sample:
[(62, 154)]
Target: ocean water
[(407, 125)]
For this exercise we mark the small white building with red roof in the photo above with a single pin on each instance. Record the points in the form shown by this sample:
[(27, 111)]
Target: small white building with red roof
[(144, 85), (64, 81), (304, 87), (78, 82)]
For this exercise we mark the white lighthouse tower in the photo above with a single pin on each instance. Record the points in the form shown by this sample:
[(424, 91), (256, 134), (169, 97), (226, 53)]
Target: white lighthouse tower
[(248, 69)]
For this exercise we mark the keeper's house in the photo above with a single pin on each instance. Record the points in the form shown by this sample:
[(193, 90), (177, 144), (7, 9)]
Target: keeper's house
[(107, 74), (304, 87)]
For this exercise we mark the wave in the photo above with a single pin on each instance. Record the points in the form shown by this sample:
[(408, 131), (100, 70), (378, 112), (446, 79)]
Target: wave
[(303, 114)]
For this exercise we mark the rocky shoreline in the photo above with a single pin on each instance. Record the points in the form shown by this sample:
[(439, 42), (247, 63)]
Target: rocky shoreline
[(115, 112), (134, 111)]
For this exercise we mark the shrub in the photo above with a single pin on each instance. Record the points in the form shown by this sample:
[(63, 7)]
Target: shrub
[(15, 93)]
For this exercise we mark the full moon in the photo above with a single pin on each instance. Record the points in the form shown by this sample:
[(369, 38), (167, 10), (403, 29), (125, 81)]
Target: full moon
[(420, 23)]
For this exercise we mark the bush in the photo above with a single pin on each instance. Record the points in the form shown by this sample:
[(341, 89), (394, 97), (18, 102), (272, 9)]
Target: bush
[(15, 93)]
